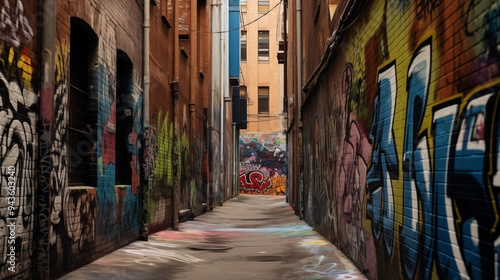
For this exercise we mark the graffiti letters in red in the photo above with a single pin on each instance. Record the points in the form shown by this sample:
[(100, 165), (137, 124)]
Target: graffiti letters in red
[(255, 181)]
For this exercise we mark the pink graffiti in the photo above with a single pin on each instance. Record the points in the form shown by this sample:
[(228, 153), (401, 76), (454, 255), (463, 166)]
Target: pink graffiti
[(255, 182), (108, 137)]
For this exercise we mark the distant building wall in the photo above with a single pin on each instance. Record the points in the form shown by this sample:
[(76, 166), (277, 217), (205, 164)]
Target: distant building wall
[(177, 132), (257, 73), (160, 134), (401, 136), (77, 162), (263, 164)]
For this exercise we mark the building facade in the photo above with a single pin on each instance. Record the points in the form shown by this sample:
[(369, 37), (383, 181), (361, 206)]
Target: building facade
[(262, 85), (393, 130), (20, 71), (179, 96), (261, 74), (91, 122), (105, 122)]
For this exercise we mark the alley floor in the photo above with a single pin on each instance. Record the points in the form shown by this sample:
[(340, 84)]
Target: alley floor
[(250, 237)]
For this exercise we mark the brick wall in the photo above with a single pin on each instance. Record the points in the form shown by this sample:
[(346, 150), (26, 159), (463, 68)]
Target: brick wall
[(176, 155), (91, 220), (56, 224), (19, 72), (401, 138), (161, 114)]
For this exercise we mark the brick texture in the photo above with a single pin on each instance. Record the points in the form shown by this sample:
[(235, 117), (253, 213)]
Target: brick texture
[(19, 72), (400, 136)]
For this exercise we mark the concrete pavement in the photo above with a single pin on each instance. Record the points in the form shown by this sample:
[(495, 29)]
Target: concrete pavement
[(250, 237)]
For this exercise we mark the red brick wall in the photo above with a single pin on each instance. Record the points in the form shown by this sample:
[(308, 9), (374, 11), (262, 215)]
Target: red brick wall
[(161, 114), (90, 221), (179, 155), (401, 137), (19, 80)]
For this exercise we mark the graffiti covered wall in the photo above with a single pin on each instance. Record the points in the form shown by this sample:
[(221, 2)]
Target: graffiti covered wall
[(91, 219), (263, 164), (19, 66), (402, 141), (51, 223)]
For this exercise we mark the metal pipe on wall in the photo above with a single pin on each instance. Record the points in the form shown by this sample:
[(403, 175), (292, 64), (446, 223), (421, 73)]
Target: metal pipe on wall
[(299, 102), (285, 87), (145, 58), (175, 86), (194, 66), (145, 116), (46, 115)]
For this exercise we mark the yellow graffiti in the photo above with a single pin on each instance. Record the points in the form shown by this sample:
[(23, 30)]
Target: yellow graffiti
[(11, 55), (278, 186), (314, 243), (163, 162), (24, 64), (61, 61), (17, 64)]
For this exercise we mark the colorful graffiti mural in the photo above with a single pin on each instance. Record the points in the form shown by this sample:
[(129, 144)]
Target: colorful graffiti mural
[(263, 164), (84, 218), (411, 124), (85, 123), (18, 141), (159, 166), (108, 192)]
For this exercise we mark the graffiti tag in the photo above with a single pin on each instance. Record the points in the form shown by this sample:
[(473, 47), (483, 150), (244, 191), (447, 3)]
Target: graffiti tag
[(254, 181)]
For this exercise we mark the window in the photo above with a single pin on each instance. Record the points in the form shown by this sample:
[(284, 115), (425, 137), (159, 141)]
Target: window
[(263, 46), (263, 100), (82, 119), (124, 119), (243, 6), (263, 6), (243, 42), (243, 90)]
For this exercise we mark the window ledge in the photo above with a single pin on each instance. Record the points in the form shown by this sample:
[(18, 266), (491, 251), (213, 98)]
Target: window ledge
[(123, 186), (184, 53), (165, 21), (81, 187)]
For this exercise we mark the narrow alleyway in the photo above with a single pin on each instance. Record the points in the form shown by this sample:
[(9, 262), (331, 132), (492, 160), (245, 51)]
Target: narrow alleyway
[(250, 237)]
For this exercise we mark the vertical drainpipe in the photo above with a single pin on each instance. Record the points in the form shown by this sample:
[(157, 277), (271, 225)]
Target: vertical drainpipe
[(175, 89), (46, 115), (214, 72), (194, 88), (222, 97), (235, 170), (145, 117), (146, 25), (285, 88), (299, 103)]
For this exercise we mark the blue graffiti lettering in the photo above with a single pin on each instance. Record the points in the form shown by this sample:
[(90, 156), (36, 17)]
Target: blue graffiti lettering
[(448, 257), (417, 181), (384, 165)]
